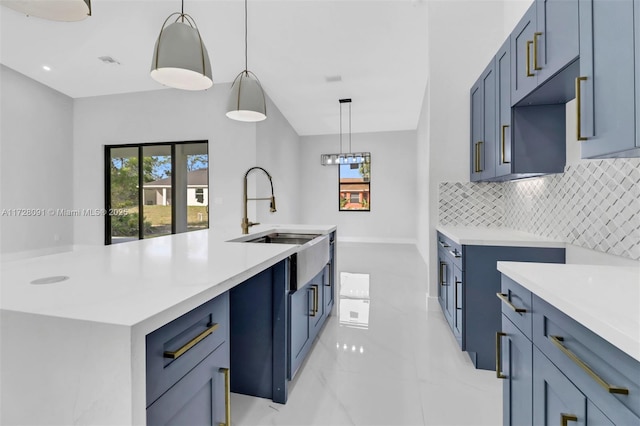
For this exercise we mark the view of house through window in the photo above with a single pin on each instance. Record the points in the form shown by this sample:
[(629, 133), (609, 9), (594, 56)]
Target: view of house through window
[(165, 193), (355, 184)]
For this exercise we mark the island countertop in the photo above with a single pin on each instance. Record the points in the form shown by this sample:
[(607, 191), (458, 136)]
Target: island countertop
[(604, 299), (126, 284)]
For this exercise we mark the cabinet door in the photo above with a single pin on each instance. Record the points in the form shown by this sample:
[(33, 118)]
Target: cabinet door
[(457, 308), (515, 365), (523, 77), (443, 266), (483, 125), (328, 288), (198, 398), (555, 399), (606, 110), (503, 110), (316, 311), (556, 41), (300, 307)]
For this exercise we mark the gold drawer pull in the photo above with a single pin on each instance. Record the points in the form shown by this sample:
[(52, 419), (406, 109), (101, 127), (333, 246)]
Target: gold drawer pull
[(535, 51), (191, 343), (504, 159), (314, 289), (443, 272), (227, 397), (579, 109), (506, 300), (557, 340), (528, 62), (499, 373), (566, 418)]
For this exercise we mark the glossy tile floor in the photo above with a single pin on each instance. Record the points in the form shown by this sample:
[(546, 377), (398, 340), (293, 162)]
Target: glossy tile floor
[(382, 357)]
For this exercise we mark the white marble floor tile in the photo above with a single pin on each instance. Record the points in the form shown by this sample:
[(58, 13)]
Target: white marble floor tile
[(388, 361)]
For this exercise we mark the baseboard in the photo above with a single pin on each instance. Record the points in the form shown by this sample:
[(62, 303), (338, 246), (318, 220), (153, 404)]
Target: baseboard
[(433, 304), (376, 240)]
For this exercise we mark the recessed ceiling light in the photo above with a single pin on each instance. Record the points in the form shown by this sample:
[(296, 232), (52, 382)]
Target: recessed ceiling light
[(46, 67), (333, 78)]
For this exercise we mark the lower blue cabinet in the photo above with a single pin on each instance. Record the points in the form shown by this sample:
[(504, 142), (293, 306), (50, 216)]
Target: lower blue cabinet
[(514, 367), (199, 398)]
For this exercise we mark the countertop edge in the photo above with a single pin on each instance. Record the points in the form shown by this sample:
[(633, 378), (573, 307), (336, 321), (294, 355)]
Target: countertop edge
[(522, 239)]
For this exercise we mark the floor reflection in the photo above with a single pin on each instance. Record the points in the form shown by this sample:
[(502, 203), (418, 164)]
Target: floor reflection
[(354, 300)]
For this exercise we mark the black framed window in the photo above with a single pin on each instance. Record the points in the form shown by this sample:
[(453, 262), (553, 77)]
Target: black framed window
[(155, 189), (354, 176)]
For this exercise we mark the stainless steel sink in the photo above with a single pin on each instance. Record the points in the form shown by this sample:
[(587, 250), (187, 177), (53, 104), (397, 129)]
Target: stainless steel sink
[(284, 238), (308, 261)]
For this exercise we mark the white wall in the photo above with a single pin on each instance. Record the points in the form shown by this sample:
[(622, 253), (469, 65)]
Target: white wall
[(36, 159), (393, 187), (171, 115), (463, 37)]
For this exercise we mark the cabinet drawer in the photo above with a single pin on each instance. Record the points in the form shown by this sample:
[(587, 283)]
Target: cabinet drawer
[(451, 249), (198, 398), (516, 304), (590, 362), (195, 331)]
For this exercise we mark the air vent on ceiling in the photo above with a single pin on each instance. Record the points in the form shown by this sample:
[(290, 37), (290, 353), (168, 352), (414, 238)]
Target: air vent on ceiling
[(108, 60), (333, 78)]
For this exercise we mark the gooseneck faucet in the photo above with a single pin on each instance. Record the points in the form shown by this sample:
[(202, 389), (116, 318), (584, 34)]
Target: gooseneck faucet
[(272, 207)]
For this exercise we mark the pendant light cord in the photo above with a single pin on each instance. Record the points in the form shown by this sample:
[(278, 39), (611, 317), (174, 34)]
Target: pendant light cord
[(246, 48), (340, 128), (182, 11), (350, 128)]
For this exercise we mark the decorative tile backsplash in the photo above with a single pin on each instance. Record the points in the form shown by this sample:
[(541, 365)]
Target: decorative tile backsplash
[(594, 204)]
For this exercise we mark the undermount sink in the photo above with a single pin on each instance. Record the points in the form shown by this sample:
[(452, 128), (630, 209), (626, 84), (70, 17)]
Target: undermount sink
[(284, 238)]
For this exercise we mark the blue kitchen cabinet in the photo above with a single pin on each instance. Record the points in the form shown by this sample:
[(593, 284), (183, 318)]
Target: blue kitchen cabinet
[(483, 125), (523, 78), (467, 285), (503, 110), (187, 367), (514, 367), (555, 399), (606, 91)]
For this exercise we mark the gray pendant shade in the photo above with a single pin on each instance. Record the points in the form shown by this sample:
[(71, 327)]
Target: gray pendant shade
[(247, 101), (54, 10), (180, 59)]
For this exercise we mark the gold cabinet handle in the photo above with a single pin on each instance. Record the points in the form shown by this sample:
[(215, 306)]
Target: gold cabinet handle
[(579, 109), (535, 51), (557, 340), (566, 418), (480, 169), (499, 373), (505, 299), (528, 62), (443, 244), (455, 254), (456, 295), (227, 397), (504, 159), (443, 270), (191, 343), (314, 289), (475, 157)]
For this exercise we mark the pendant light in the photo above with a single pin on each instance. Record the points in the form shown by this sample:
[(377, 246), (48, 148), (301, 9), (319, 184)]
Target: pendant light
[(247, 101), (348, 157), (180, 59), (53, 10)]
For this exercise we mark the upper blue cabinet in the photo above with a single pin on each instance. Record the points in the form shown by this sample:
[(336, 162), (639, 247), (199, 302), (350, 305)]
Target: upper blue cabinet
[(483, 125), (544, 49), (607, 93)]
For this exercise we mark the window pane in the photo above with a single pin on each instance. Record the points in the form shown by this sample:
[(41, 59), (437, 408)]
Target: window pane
[(355, 185), (156, 194), (124, 194), (197, 160)]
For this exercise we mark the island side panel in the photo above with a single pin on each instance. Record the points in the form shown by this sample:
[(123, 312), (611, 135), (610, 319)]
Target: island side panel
[(61, 371)]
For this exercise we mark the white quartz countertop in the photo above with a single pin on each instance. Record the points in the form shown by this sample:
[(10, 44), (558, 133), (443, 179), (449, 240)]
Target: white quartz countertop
[(126, 284), (604, 299), (476, 236)]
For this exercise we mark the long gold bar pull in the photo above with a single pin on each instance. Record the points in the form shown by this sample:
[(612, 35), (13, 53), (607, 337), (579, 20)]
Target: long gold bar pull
[(227, 397), (504, 159), (314, 289), (191, 343), (442, 272), (505, 299), (557, 340), (579, 110), (535, 51), (480, 169), (499, 336), (566, 418), (528, 62)]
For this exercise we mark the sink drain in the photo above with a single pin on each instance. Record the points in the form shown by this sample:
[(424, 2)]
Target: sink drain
[(50, 280)]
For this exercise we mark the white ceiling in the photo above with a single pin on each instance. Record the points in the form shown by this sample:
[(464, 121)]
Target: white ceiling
[(379, 48)]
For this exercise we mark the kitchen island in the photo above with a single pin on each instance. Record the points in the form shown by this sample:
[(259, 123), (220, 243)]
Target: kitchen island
[(74, 352)]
